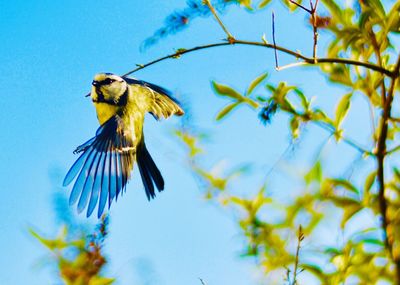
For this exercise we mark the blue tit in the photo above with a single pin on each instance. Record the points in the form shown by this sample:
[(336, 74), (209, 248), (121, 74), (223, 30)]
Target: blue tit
[(106, 161)]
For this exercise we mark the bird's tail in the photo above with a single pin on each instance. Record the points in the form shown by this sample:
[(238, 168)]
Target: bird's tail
[(148, 171)]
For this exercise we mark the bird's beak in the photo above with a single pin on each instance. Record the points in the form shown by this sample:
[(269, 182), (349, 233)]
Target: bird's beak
[(95, 84)]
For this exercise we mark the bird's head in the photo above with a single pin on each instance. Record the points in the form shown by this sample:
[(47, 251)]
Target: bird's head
[(108, 88)]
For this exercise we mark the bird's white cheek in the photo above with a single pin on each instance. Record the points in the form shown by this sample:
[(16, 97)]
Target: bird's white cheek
[(93, 94)]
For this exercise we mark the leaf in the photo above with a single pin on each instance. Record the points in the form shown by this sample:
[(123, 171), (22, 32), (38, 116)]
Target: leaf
[(344, 202), (246, 3), (304, 102), (263, 4), (226, 110), (340, 73), (101, 281), (349, 212), (369, 181), (393, 18), (344, 184), (256, 82), (51, 244), (319, 115), (334, 8), (295, 127), (227, 91), (315, 173), (342, 109), (315, 270)]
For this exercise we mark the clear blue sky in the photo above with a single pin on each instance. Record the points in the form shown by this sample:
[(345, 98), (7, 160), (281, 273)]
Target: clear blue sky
[(48, 56)]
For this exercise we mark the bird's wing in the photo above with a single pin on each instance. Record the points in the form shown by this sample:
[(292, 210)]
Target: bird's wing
[(159, 100), (103, 168)]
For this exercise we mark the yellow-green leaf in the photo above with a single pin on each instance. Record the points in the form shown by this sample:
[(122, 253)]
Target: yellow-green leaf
[(342, 109), (101, 281), (295, 127), (263, 3), (349, 212), (369, 181), (227, 91), (256, 82), (226, 110)]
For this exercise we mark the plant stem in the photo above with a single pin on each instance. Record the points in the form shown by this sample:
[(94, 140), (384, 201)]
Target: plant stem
[(297, 55), (230, 38), (380, 155)]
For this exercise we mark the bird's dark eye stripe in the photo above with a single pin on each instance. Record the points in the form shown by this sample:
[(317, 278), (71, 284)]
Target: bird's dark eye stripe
[(107, 81)]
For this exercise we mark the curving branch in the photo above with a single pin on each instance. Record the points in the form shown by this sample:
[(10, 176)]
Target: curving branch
[(297, 55), (380, 156)]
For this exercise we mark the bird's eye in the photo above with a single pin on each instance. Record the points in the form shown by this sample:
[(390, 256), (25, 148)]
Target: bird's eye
[(108, 81)]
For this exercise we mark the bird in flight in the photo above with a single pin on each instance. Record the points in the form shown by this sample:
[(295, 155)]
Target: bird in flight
[(106, 160)]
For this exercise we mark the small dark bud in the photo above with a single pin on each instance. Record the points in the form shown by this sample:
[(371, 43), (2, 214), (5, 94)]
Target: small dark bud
[(267, 112)]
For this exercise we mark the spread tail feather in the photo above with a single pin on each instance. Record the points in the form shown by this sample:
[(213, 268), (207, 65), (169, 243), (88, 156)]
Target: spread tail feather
[(148, 171)]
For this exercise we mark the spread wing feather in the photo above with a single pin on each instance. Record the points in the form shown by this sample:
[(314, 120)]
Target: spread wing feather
[(103, 169), (159, 100)]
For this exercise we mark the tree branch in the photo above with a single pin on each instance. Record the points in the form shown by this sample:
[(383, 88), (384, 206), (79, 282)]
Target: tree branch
[(306, 60), (380, 155)]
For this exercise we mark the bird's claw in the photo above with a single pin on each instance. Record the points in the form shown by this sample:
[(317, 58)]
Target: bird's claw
[(79, 149)]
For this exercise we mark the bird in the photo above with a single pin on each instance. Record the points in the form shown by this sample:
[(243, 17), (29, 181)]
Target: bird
[(106, 161)]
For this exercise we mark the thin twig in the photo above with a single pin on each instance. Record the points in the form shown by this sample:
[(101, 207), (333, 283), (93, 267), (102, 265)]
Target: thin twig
[(346, 140), (273, 39), (395, 120), (315, 28), (298, 55), (294, 64), (393, 150), (230, 38), (300, 6), (300, 238)]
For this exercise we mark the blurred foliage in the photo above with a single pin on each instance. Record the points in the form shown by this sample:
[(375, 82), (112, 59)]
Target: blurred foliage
[(364, 31), (274, 230), (79, 257)]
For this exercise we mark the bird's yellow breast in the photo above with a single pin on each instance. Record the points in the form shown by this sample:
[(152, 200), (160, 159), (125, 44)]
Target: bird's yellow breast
[(104, 111)]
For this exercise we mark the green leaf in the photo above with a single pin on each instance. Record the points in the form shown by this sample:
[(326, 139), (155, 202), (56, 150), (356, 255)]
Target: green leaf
[(315, 173), (226, 110), (101, 281), (295, 127), (51, 244), (338, 182), (393, 19), (304, 102), (334, 8), (342, 109), (344, 202), (263, 4), (315, 270), (246, 3), (227, 91), (349, 212), (256, 82), (369, 181)]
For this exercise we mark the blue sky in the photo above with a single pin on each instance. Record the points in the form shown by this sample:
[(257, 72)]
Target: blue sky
[(49, 55)]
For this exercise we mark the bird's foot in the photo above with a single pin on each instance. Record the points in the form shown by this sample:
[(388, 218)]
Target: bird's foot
[(80, 149)]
